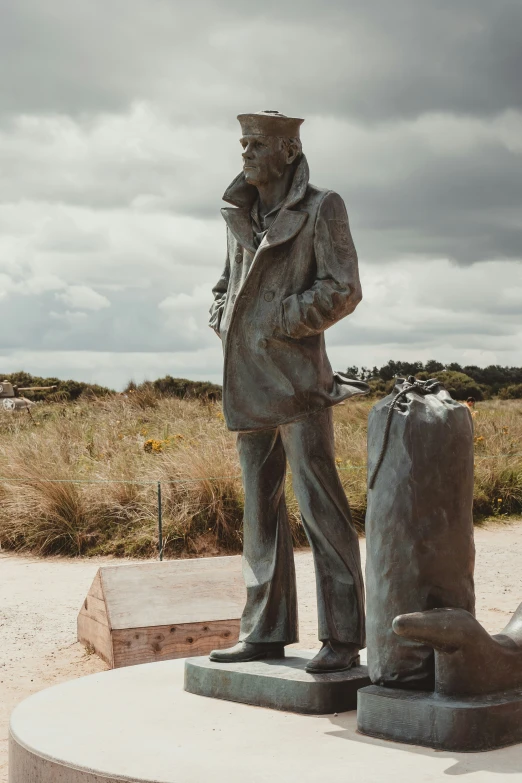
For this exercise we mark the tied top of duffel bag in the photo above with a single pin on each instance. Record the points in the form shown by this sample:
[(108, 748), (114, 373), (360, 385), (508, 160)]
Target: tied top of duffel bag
[(402, 388)]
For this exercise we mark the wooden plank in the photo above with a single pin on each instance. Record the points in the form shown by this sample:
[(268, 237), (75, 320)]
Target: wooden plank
[(174, 592), (95, 608), (93, 624), (96, 590), (162, 643), (96, 635), (94, 605), (157, 611)]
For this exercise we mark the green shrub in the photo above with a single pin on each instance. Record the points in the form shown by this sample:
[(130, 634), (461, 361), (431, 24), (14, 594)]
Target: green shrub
[(65, 391), (179, 387), (459, 385), (513, 392)]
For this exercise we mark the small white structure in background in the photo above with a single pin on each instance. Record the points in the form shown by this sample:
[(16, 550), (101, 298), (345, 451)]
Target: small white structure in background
[(12, 400)]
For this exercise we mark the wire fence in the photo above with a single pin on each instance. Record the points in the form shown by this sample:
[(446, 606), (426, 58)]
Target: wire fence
[(158, 483)]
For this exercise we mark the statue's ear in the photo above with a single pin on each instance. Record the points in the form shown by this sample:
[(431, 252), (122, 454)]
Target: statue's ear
[(292, 150), (292, 153)]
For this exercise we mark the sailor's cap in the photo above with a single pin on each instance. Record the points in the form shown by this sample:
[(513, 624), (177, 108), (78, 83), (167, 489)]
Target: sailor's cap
[(270, 123)]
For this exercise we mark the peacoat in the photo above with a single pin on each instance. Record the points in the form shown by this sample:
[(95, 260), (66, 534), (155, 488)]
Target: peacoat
[(272, 305)]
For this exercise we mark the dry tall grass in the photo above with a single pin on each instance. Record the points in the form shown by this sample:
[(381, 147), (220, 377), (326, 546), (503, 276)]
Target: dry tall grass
[(145, 438)]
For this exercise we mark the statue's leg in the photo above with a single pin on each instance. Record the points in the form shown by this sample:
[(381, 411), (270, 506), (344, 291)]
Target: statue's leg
[(270, 614), (309, 446)]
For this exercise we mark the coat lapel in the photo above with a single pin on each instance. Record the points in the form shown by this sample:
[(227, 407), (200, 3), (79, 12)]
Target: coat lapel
[(286, 226), (239, 222)]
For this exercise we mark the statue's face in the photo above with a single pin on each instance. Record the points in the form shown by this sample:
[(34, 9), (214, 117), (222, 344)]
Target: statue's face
[(264, 159)]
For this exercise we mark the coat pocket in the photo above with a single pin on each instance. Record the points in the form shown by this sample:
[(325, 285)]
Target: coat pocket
[(290, 316), (216, 313)]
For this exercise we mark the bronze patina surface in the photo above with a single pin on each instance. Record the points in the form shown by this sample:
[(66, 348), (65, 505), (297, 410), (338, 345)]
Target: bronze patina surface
[(420, 551), (477, 701), (282, 684), (290, 273)]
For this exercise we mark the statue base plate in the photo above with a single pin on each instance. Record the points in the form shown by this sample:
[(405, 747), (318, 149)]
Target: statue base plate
[(281, 684), (462, 724)]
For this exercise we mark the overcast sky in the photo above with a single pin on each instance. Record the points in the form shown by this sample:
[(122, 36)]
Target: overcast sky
[(118, 136)]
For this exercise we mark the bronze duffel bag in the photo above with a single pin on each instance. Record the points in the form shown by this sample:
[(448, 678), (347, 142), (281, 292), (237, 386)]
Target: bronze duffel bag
[(419, 525)]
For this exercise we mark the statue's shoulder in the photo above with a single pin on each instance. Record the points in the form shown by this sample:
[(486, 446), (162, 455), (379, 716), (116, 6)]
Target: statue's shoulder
[(315, 193), (313, 197), (327, 201)]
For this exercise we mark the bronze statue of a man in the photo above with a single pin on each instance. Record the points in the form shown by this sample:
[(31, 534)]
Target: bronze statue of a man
[(290, 273)]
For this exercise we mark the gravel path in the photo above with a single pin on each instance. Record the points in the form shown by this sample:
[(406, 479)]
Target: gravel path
[(40, 599)]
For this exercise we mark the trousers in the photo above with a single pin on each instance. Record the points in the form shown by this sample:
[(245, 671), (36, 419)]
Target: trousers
[(270, 613)]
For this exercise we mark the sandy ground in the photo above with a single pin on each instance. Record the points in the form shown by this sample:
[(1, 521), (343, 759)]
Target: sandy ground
[(40, 599)]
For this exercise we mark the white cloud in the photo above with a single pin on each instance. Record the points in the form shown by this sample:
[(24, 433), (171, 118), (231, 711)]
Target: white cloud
[(138, 159), (83, 297), (432, 309), (39, 284), (68, 316), (200, 297), (416, 310)]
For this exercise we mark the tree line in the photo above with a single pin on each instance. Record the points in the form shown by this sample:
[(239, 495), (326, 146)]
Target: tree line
[(461, 381), (69, 391)]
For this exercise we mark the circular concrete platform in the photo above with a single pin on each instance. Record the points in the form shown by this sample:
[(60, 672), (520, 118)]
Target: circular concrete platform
[(138, 724)]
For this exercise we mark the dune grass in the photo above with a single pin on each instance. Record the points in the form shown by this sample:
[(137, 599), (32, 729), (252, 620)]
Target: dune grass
[(125, 445)]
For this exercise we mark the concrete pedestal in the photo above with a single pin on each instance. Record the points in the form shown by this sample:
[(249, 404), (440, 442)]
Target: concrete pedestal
[(138, 724), (279, 684)]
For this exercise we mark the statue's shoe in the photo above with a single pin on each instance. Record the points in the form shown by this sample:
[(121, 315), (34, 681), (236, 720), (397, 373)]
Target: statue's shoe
[(334, 657), (468, 661), (248, 651)]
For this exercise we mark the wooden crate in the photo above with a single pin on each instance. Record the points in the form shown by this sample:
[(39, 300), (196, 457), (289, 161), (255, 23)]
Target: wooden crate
[(158, 611)]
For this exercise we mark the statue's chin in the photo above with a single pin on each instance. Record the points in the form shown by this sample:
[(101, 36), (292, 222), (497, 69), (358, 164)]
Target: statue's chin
[(251, 177)]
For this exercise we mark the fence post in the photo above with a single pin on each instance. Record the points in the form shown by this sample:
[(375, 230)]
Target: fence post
[(160, 524)]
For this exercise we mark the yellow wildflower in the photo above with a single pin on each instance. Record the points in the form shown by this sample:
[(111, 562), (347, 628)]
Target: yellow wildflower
[(152, 446)]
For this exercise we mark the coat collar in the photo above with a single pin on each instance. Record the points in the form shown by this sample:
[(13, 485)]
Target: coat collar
[(240, 194), (286, 225)]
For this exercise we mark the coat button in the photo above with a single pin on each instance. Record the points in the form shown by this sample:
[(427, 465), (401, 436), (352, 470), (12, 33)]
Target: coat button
[(263, 343), (269, 296), (239, 256), (233, 299)]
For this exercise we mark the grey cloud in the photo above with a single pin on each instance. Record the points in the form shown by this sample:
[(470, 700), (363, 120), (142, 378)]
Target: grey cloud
[(438, 304), (431, 333), (141, 160), (132, 323), (64, 236), (459, 199), (204, 60), (427, 331), (455, 207), (118, 136)]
